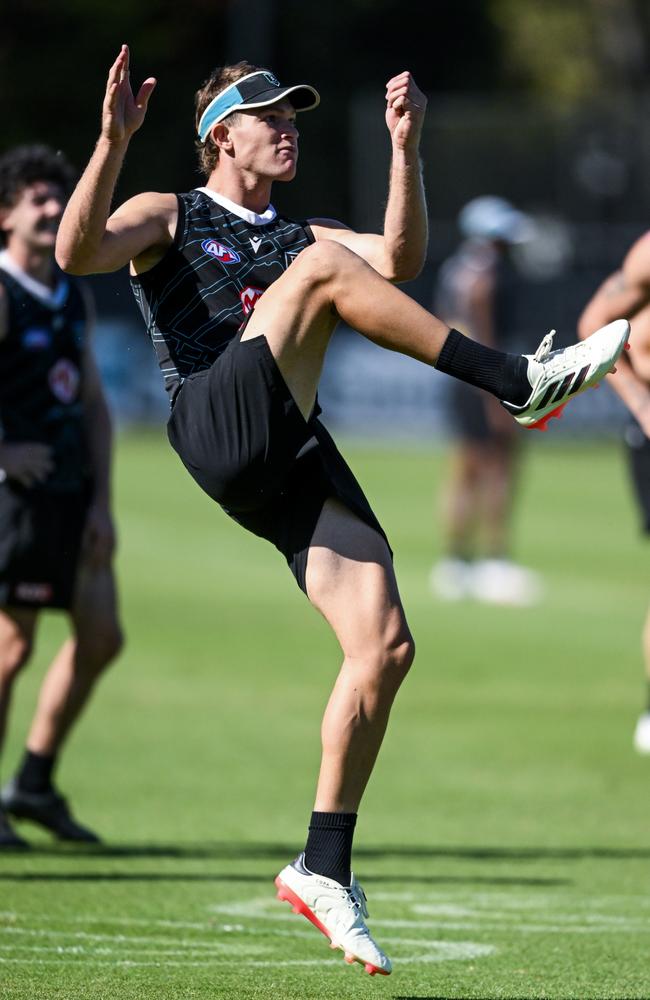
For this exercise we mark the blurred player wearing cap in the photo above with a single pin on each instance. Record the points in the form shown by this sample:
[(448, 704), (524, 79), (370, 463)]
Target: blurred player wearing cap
[(476, 292), (241, 303), (627, 293), (56, 530)]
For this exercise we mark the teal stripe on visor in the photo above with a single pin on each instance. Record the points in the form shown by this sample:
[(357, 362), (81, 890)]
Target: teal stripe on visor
[(219, 108)]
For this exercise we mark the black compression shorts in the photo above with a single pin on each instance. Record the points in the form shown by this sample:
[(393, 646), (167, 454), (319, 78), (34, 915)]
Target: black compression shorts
[(240, 434), (40, 542), (638, 451)]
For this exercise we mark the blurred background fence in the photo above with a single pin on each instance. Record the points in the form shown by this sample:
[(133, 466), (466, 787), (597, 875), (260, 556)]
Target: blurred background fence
[(544, 102)]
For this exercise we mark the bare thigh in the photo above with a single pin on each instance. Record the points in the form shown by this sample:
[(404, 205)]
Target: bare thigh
[(296, 316), (350, 579)]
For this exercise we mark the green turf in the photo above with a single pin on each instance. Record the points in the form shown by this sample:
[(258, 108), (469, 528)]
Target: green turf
[(503, 841)]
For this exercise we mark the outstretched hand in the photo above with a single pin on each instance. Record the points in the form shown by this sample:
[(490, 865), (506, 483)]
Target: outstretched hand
[(405, 108), (122, 113)]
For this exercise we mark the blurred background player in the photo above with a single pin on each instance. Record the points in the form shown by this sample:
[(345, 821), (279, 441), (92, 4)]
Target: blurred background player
[(56, 533), (627, 292), (476, 292)]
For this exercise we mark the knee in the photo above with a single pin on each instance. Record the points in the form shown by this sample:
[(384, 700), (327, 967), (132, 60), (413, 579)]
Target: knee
[(15, 652), (321, 262), (395, 656), (401, 656)]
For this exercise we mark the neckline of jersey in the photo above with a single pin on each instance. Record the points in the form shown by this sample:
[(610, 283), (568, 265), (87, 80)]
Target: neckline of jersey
[(53, 298), (244, 213)]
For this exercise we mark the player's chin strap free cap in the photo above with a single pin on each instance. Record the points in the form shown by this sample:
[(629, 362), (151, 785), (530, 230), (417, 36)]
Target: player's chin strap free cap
[(256, 90)]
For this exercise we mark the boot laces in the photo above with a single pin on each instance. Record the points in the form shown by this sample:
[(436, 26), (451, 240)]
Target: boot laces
[(545, 347), (356, 899)]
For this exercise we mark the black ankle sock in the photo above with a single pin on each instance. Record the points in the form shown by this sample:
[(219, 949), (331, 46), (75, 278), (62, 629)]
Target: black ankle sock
[(329, 845), (504, 375), (35, 773)]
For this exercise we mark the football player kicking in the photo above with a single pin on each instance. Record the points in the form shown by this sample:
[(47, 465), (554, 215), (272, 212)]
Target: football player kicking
[(241, 303)]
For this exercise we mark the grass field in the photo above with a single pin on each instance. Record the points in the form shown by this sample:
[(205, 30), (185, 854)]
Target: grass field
[(504, 840)]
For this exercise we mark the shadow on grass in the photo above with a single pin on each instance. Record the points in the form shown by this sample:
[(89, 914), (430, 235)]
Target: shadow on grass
[(277, 855), (264, 878), (279, 852)]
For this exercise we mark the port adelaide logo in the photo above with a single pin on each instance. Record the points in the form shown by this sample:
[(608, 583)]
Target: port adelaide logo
[(222, 253)]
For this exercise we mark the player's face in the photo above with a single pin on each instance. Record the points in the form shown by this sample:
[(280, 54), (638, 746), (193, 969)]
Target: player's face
[(34, 218), (266, 141)]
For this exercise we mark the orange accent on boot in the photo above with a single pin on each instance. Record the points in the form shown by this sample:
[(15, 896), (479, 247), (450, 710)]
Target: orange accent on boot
[(541, 425), (288, 895)]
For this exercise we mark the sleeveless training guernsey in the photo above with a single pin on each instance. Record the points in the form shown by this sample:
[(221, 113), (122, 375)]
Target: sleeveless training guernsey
[(41, 362), (221, 260)]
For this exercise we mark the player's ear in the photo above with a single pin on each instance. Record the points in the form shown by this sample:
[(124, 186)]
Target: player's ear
[(220, 135)]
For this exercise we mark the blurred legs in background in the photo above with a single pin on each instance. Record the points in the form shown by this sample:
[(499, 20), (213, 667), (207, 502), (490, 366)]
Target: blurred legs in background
[(477, 290), (65, 691), (477, 508)]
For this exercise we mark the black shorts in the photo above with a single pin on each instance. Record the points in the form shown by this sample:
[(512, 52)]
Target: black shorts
[(240, 434), (638, 452), (40, 542)]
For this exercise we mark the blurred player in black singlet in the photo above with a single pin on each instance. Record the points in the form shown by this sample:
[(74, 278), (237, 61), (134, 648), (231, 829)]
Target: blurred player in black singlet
[(56, 532)]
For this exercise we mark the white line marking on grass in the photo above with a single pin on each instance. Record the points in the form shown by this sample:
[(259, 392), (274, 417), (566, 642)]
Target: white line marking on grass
[(205, 925), (430, 952), (510, 926), (80, 949), (247, 928), (128, 963), (121, 938), (135, 949)]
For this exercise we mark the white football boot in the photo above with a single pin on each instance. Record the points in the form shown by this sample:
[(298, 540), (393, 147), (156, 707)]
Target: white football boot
[(642, 734), (337, 910), (450, 579), (558, 376), (499, 581)]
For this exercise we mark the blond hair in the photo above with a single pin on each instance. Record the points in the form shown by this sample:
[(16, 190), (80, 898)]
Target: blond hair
[(219, 79)]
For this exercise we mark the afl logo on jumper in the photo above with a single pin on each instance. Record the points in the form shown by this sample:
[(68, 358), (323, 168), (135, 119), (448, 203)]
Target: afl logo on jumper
[(222, 253), (249, 297), (63, 380)]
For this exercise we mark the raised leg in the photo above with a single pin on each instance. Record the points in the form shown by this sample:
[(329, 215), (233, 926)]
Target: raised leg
[(327, 283)]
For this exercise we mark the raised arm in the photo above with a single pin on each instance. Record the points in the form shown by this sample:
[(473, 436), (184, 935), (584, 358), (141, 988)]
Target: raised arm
[(88, 241), (400, 253)]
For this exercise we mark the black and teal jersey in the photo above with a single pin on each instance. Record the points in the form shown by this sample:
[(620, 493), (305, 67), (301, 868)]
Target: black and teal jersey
[(41, 370), (222, 259)]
